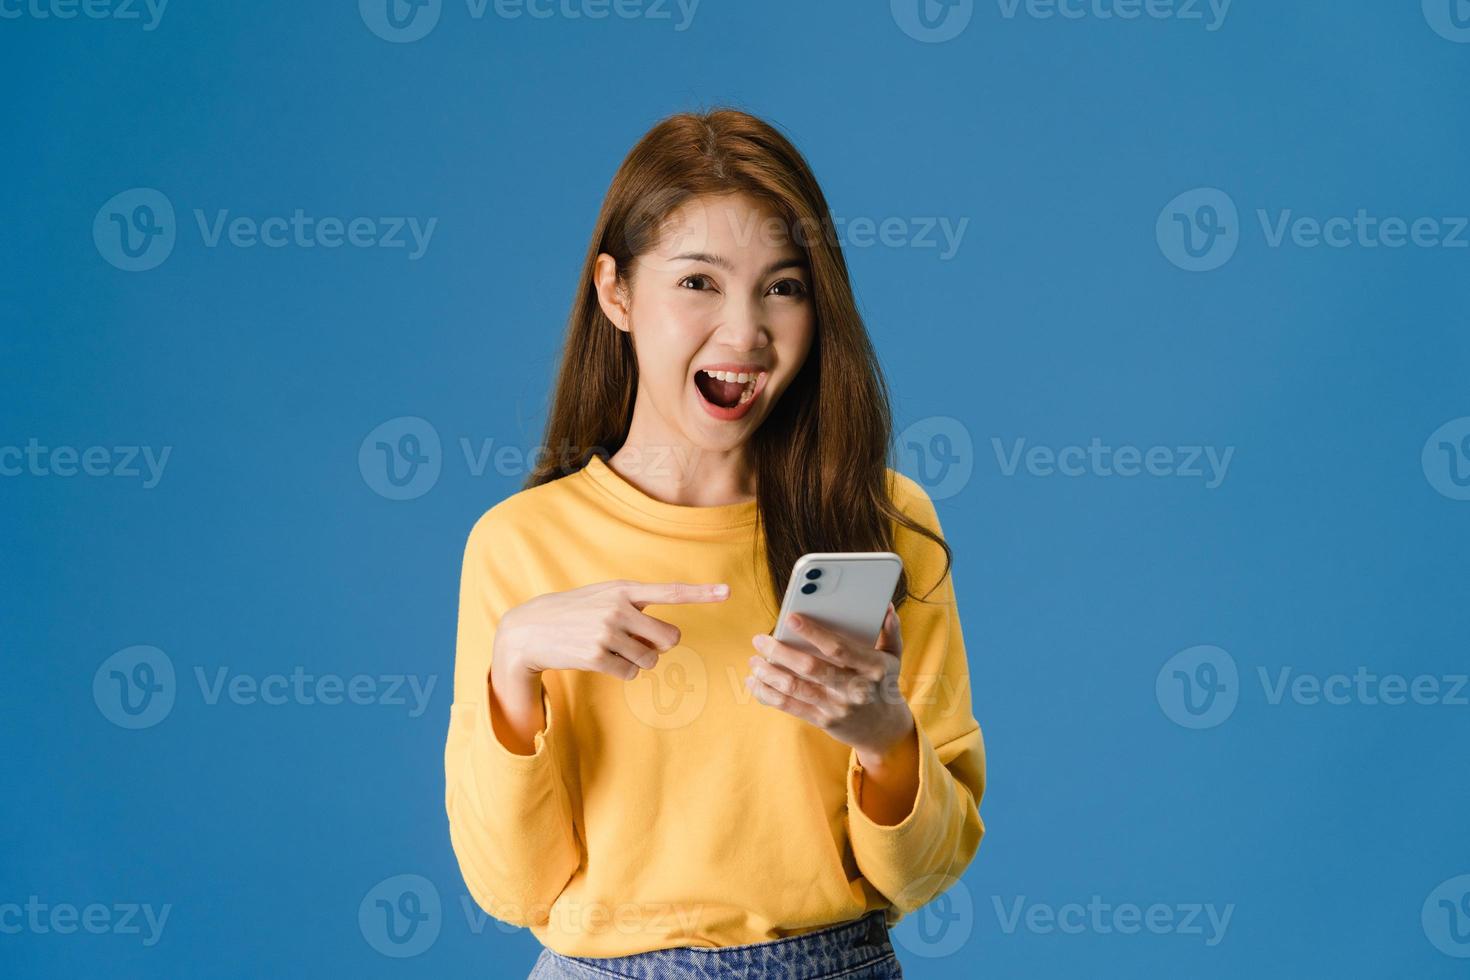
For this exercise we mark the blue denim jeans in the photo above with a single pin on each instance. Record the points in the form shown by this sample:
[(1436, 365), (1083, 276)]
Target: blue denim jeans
[(857, 950)]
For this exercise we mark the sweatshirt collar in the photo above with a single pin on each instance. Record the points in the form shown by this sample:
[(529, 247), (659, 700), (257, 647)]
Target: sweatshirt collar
[(608, 483)]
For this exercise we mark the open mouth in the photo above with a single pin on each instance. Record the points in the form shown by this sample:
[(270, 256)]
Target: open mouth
[(728, 394)]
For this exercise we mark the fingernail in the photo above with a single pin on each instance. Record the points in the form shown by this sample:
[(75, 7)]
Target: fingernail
[(794, 620), (721, 590), (752, 662), (760, 641)]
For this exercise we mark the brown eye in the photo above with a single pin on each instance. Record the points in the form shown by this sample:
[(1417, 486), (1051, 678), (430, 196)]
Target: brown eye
[(788, 287), (696, 282)]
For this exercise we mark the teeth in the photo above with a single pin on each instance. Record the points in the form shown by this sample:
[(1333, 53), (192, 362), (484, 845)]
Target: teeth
[(730, 376)]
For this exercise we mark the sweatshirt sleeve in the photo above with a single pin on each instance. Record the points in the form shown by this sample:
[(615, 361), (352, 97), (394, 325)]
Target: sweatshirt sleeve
[(914, 860), (510, 821)]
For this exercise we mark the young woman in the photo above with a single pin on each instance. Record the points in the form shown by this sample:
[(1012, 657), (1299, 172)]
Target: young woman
[(636, 769)]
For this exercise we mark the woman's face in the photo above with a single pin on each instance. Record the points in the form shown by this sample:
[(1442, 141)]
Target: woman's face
[(721, 317)]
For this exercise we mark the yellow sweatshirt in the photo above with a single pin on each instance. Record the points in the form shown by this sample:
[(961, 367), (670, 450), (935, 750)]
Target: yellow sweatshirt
[(675, 809)]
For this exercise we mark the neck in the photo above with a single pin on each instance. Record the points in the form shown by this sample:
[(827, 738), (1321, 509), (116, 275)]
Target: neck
[(667, 467)]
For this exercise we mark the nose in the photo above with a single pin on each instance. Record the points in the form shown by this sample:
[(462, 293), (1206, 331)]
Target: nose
[(743, 327)]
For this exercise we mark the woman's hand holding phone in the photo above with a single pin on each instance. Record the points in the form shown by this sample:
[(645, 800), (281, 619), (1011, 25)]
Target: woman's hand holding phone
[(847, 690), (852, 694)]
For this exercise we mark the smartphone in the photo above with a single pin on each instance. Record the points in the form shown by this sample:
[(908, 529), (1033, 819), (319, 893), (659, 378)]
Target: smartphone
[(847, 592)]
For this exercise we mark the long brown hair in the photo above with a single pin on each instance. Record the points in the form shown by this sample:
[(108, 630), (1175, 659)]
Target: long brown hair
[(822, 454)]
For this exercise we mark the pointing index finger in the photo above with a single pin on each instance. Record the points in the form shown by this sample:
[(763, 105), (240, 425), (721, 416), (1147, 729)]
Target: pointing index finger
[(673, 593)]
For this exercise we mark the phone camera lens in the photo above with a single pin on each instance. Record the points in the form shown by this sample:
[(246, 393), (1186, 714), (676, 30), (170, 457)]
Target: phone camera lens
[(808, 589), (814, 573)]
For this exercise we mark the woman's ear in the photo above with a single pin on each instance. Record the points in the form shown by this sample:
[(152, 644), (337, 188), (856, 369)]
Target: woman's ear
[(611, 294)]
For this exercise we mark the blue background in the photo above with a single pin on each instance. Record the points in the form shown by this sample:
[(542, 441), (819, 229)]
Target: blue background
[(265, 547)]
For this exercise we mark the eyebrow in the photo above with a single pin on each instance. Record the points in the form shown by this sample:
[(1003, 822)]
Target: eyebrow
[(795, 262)]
